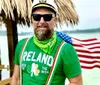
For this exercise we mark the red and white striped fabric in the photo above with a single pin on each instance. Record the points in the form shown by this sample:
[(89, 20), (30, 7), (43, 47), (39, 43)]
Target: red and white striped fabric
[(88, 51)]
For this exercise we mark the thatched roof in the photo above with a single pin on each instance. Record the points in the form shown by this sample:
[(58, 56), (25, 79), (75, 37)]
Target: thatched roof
[(15, 9), (66, 11)]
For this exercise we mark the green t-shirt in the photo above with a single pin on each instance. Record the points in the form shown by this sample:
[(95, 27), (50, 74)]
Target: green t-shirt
[(36, 64)]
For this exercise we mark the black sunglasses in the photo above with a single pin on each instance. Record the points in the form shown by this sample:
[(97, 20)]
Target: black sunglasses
[(46, 17)]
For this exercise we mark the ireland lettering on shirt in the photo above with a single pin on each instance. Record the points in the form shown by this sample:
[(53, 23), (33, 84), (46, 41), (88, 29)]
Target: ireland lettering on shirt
[(40, 57)]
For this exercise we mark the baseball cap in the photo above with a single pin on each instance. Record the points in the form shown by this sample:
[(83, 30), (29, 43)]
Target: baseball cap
[(45, 4)]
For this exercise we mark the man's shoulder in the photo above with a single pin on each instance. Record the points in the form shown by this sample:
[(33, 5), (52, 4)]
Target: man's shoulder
[(61, 40), (24, 39), (66, 46), (65, 37)]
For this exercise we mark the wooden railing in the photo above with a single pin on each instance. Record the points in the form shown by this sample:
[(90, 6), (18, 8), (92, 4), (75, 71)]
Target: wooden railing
[(5, 82), (3, 67)]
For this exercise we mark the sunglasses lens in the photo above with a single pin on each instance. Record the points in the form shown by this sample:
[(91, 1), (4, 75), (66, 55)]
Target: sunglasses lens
[(46, 17), (36, 17)]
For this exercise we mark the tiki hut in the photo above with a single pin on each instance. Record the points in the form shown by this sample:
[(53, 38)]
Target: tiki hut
[(13, 12), (11, 15)]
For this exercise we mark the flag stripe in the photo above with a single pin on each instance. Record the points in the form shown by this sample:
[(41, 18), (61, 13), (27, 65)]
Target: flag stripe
[(89, 54), (88, 57), (89, 46), (90, 67), (85, 43), (88, 51), (86, 40), (89, 62), (85, 64), (83, 48)]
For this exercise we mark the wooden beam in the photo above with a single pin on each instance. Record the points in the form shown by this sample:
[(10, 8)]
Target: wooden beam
[(12, 41), (3, 67), (5, 82), (0, 63), (10, 44)]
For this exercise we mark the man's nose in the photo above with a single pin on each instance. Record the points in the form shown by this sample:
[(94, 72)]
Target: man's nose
[(42, 20)]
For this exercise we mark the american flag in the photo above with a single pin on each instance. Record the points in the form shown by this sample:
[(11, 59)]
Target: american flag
[(88, 50)]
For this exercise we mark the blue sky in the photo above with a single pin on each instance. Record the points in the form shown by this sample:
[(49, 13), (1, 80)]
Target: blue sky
[(89, 13)]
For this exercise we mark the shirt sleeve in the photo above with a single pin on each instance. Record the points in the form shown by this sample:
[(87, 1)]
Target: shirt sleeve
[(71, 64)]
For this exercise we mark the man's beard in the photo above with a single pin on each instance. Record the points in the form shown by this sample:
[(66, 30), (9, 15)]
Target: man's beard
[(43, 34)]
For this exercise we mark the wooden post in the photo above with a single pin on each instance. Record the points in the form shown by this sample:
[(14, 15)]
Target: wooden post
[(5, 82), (0, 63), (12, 41)]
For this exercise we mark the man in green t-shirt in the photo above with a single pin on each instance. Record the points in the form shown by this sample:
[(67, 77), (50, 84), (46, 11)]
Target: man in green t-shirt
[(33, 62)]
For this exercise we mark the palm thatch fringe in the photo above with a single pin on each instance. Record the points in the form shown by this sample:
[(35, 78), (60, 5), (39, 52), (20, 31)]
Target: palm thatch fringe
[(6, 6), (23, 8), (66, 10)]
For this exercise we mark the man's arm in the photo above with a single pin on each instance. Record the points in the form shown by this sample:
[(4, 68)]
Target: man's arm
[(15, 79), (76, 80)]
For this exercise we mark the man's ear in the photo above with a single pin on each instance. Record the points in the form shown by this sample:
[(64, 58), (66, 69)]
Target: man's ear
[(55, 20)]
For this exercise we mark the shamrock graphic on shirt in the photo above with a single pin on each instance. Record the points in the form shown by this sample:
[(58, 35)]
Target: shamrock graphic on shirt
[(35, 70)]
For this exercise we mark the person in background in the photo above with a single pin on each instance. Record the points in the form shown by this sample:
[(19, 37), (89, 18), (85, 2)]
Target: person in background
[(34, 57)]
